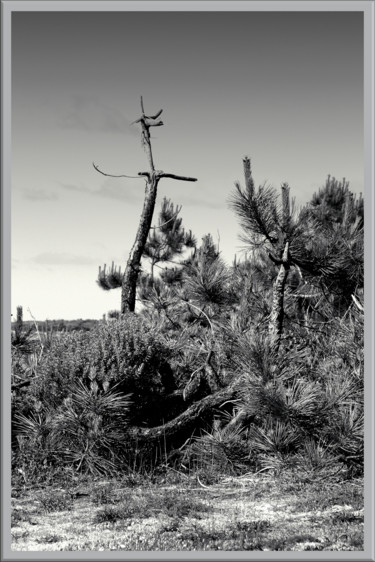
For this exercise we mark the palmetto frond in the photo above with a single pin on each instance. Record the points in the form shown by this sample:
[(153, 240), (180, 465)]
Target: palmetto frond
[(274, 437), (350, 432), (36, 425), (223, 448), (315, 460)]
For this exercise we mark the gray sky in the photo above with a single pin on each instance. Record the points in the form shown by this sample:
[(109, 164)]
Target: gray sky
[(284, 88)]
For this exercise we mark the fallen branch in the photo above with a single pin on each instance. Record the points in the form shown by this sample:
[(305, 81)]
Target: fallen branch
[(188, 418)]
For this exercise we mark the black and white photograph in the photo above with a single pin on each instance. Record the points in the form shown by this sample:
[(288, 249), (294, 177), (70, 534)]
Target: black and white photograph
[(189, 214)]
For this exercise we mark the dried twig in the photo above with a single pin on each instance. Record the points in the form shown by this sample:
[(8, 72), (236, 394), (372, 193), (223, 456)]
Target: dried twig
[(112, 175)]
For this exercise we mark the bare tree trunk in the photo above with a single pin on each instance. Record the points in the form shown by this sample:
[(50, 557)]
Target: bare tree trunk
[(128, 291)]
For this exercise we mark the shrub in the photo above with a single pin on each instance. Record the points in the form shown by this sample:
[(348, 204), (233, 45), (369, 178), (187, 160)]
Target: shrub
[(131, 354), (64, 363), (84, 432), (126, 353)]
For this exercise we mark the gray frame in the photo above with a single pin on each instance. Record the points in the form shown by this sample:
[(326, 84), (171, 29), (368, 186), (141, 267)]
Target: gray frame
[(367, 7)]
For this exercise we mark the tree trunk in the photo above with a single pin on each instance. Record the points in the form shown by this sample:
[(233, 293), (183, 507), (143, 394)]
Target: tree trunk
[(275, 327), (129, 283)]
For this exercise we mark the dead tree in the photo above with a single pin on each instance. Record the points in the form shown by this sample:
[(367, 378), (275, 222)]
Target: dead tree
[(152, 178)]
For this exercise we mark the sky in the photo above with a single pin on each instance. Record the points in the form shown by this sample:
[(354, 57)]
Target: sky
[(284, 88)]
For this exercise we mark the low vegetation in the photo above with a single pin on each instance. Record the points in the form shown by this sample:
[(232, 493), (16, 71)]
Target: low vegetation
[(263, 513), (225, 413)]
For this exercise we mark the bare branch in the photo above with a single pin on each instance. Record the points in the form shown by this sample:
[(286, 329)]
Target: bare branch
[(160, 174), (151, 122), (112, 175), (175, 177), (156, 115)]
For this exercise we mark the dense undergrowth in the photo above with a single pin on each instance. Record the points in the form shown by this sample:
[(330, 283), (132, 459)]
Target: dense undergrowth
[(82, 402)]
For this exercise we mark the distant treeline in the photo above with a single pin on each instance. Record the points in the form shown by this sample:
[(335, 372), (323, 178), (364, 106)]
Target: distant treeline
[(60, 325)]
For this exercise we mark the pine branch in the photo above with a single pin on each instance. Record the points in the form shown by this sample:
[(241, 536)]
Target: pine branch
[(111, 280), (257, 213)]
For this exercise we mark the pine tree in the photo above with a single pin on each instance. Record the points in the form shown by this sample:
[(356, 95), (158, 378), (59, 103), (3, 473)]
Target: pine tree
[(323, 243), (206, 279), (167, 243), (330, 243), (168, 240), (265, 223), (334, 203)]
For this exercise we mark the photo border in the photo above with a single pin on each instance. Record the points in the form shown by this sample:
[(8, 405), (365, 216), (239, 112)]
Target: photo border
[(10, 6)]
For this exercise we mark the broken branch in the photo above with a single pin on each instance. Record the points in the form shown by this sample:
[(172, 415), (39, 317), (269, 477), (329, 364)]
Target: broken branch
[(175, 177)]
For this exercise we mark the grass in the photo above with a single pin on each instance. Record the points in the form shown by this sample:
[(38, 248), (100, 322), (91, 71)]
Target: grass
[(262, 513), (144, 504), (55, 501)]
